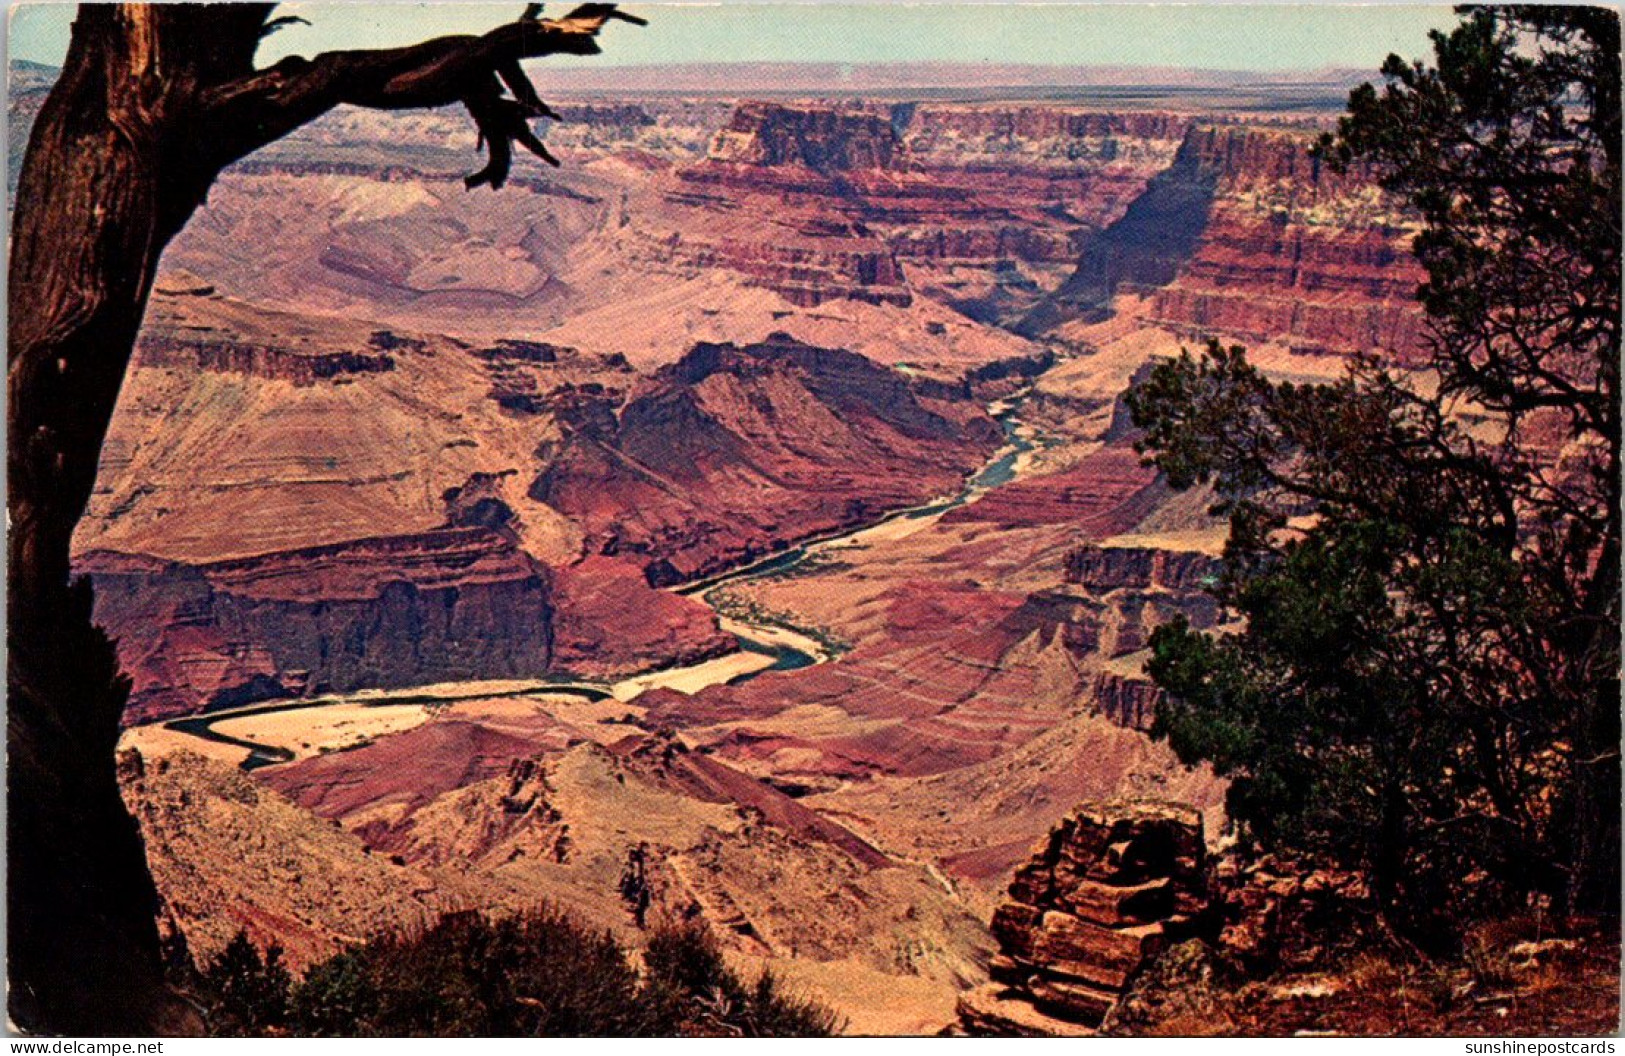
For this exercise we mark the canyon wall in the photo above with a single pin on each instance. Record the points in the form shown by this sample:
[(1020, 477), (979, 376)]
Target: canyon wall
[(1250, 236), (899, 228), (457, 604), (981, 207), (872, 217), (1111, 886)]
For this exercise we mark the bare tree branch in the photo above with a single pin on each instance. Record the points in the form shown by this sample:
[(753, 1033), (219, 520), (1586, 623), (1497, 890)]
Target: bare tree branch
[(286, 20), (248, 112)]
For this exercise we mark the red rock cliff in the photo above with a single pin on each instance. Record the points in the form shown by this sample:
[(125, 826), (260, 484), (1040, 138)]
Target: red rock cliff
[(1295, 253), (1249, 236), (459, 603)]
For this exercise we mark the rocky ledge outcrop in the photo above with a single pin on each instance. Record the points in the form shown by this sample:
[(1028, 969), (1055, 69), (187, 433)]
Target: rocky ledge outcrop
[(1112, 885), (455, 603), (221, 353), (1248, 235), (1102, 568)]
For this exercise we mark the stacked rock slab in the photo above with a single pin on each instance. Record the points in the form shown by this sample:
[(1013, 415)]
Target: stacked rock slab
[(1112, 885)]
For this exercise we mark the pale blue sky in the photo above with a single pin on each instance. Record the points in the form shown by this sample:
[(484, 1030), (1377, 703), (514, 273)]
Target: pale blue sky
[(1211, 36)]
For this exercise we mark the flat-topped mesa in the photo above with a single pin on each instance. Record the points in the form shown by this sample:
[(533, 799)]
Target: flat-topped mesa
[(828, 137), (1242, 156), (822, 138), (1112, 885), (800, 166), (363, 569), (446, 605), (1039, 177), (223, 354), (1143, 248)]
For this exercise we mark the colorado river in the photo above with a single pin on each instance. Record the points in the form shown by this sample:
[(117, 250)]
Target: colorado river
[(788, 648)]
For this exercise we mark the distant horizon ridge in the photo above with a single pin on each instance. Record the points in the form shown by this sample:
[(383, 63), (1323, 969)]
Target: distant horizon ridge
[(1136, 73)]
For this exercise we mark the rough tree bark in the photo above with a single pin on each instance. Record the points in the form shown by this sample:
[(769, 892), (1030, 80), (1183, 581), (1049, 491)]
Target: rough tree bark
[(153, 102)]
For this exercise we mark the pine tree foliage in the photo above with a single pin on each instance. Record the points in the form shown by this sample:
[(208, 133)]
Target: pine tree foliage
[(1427, 556), (535, 974)]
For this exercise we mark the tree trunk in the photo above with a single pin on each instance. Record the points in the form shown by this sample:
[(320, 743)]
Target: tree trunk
[(100, 195), (1594, 838), (154, 100)]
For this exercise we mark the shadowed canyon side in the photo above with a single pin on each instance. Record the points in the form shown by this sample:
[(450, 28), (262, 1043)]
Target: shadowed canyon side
[(1246, 234), (741, 524)]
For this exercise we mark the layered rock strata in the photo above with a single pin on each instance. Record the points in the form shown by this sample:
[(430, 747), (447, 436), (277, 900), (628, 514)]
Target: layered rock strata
[(1112, 885), (343, 529), (1249, 235), (958, 676), (980, 206), (457, 603)]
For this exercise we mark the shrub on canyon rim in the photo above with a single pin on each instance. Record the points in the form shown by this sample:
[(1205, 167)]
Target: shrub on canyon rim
[(692, 991), (248, 993), (536, 974), (1428, 559)]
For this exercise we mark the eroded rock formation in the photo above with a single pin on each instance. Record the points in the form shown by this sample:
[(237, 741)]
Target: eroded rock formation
[(392, 611), (1248, 235), (692, 348), (495, 510), (733, 450), (1112, 885), (981, 206)]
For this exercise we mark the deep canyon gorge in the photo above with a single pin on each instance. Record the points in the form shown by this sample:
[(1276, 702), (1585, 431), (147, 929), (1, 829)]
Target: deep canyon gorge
[(432, 506)]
